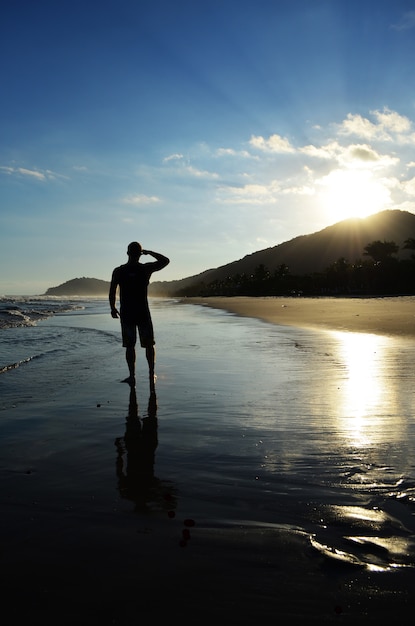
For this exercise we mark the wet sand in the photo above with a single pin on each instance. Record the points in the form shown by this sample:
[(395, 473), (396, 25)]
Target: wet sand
[(386, 316), (74, 552)]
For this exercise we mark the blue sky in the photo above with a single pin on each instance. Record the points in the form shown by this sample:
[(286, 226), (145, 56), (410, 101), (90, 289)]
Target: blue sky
[(206, 130)]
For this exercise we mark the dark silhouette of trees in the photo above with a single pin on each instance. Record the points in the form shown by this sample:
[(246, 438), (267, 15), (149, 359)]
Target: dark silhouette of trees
[(379, 274), (409, 244), (384, 272), (381, 251)]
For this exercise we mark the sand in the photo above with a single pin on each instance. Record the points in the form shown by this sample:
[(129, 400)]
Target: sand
[(386, 316), (73, 552)]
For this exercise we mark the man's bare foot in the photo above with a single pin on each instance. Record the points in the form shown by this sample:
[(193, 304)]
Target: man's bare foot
[(130, 380)]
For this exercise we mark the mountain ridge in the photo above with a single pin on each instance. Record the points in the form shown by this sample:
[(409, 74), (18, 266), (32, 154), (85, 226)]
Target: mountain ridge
[(315, 252), (80, 287), (304, 254)]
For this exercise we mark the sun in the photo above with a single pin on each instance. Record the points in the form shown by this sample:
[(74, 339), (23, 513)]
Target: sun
[(346, 193)]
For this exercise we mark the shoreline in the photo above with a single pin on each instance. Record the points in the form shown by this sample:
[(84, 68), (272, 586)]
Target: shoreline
[(394, 315)]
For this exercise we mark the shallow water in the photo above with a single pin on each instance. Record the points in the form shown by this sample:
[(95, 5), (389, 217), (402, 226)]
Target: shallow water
[(256, 424)]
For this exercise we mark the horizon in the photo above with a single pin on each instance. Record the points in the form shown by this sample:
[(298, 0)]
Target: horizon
[(206, 132)]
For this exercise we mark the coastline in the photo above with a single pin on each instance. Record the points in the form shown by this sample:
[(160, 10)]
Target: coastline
[(393, 315)]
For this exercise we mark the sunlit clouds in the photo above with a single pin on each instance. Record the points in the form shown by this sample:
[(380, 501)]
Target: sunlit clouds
[(353, 167), (342, 176), (251, 194), (250, 191), (274, 143), (352, 172), (387, 126)]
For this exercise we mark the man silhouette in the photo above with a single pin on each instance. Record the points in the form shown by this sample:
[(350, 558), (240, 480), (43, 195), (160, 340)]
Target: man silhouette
[(133, 278)]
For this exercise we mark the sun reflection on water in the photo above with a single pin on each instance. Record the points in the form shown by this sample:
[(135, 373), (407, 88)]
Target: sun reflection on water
[(364, 388)]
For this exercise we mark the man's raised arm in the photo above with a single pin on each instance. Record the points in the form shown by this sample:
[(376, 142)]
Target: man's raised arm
[(161, 260)]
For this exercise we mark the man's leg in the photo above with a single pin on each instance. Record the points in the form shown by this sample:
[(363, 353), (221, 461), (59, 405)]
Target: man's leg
[(129, 338), (130, 357), (151, 360)]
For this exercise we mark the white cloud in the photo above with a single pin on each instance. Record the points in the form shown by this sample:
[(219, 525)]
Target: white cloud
[(409, 187), (189, 169), (193, 171), (389, 126), (22, 171), (250, 194), (364, 156), (232, 152), (358, 125), (392, 121), (139, 199), (274, 143), (33, 173), (323, 152), (299, 190), (173, 157), (351, 155), (6, 170)]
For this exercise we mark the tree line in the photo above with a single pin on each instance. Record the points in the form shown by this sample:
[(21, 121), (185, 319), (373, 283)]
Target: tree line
[(379, 273)]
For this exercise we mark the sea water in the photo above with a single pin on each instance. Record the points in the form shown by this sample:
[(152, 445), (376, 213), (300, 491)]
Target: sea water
[(256, 424)]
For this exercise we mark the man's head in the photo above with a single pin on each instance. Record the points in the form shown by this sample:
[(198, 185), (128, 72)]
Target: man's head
[(134, 250)]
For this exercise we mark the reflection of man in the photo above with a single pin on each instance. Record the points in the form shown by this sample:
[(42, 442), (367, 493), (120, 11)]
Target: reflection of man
[(135, 459), (133, 279), (136, 473)]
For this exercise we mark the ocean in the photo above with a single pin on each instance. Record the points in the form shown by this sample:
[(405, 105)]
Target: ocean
[(256, 425)]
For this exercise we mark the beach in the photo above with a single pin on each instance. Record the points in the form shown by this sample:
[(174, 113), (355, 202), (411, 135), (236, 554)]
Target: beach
[(381, 315), (272, 480)]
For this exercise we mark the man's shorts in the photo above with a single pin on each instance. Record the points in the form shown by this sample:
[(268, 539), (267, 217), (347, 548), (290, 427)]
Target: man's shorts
[(129, 333)]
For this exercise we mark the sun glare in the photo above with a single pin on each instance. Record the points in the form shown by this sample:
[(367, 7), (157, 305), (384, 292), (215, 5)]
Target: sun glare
[(353, 193), (363, 389)]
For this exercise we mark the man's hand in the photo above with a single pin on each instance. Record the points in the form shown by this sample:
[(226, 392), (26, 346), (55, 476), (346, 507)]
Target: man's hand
[(162, 260), (114, 313)]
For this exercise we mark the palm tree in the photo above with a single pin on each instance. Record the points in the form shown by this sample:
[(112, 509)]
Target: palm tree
[(409, 244), (381, 251)]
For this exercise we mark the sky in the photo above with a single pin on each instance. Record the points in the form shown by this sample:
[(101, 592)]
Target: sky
[(204, 129)]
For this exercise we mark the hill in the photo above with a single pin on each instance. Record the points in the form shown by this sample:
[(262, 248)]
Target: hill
[(80, 287), (304, 255), (308, 254)]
